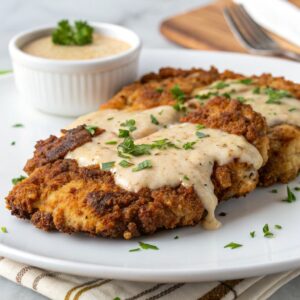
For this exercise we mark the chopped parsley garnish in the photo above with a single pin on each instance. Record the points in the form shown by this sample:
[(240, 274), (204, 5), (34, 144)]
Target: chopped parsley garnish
[(128, 147), (176, 237), (290, 196), (91, 129), (274, 191), (201, 135), (163, 144), (226, 95), (18, 125), (120, 154), (179, 96), (233, 245), (111, 143), (111, 118), (267, 232), (159, 90), (148, 246), (130, 124), (107, 165), (125, 164), (135, 250), (278, 226), (246, 81), (292, 109), (123, 133), (220, 85), (18, 179), (117, 298), (297, 188), (146, 164), (13, 143), (3, 229), (275, 95), (241, 99), (200, 126), (80, 34), (185, 177), (256, 90), (252, 234), (206, 96), (154, 120), (189, 145), (222, 214)]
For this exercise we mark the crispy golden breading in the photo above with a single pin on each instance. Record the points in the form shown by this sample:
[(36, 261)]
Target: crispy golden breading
[(58, 194), (283, 164)]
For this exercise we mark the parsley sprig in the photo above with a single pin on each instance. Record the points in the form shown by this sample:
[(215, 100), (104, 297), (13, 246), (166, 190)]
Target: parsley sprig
[(179, 96), (81, 33)]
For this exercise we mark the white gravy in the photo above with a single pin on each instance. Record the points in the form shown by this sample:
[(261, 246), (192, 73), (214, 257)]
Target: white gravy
[(170, 166), (288, 111)]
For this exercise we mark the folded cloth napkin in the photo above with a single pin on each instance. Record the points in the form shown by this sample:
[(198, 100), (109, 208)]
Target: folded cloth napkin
[(278, 16), (60, 286)]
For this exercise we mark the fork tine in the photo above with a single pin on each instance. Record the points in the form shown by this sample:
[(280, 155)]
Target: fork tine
[(256, 27), (246, 27), (235, 28)]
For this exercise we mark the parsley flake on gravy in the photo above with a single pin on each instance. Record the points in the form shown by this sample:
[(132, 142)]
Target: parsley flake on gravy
[(246, 81), (179, 96), (111, 143), (278, 226), (154, 120), (123, 133), (91, 129), (146, 164), (81, 33), (18, 179), (107, 165), (275, 96), (13, 143), (274, 191), (189, 145), (130, 124), (125, 164), (201, 135), (290, 196), (220, 85), (233, 245), (252, 234)]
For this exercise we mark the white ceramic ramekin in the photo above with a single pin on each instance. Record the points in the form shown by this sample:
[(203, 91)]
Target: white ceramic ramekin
[(73, 87)]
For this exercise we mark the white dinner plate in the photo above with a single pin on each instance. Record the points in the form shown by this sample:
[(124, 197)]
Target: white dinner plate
[(197, 255)]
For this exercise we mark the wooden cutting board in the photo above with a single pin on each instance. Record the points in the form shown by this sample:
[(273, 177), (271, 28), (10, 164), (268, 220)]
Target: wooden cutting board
[(205, 28)]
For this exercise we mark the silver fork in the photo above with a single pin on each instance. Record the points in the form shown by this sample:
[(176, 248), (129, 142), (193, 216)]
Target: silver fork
[(251, 35)]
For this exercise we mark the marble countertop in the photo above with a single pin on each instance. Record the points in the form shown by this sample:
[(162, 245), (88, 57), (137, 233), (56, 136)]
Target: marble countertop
[(143, 16)]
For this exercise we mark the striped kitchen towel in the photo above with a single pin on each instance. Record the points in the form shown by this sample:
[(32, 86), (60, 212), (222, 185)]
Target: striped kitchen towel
[(61, 286)]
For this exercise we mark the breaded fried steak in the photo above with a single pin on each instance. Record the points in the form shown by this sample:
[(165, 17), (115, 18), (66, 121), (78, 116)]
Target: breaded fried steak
[(124, 174), (275, 98)]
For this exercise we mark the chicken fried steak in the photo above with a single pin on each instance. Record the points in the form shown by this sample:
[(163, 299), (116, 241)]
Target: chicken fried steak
[(124, 174), (275, 98)]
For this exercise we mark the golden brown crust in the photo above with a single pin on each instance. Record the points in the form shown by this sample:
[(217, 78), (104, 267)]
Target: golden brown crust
[(235, 118), (284, 155), (61, 195), (53, 148), (143, 94), (135, 97), (68, 198)]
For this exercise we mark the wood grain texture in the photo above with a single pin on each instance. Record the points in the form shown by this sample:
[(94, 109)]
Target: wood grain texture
[(205, 28)]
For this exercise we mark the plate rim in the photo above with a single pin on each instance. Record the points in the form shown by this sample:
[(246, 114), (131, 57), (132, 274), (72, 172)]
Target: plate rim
[(147, 274)]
